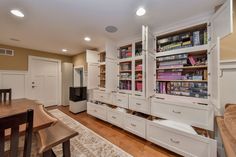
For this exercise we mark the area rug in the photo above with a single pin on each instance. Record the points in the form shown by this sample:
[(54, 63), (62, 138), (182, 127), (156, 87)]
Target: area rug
[(87, 143)]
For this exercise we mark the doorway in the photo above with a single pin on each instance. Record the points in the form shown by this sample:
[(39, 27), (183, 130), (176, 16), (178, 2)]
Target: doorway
[(45, 80)]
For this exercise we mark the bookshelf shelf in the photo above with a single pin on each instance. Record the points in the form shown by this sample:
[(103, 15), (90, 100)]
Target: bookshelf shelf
[(138, 79), (124, 71), (194, 49), (204, 81), (186, 67)]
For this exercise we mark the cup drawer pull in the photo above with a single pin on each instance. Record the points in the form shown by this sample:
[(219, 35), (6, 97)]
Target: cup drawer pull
[(113, 117), (177, 112), (95, 110), (133, 125), (119, 100), (174, 141), (138, 104)]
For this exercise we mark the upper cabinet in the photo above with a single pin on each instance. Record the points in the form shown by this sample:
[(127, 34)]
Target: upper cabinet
[(92, 56), (221, 23)]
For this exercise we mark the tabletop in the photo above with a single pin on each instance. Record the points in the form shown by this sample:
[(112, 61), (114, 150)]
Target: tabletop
[(41, 118)]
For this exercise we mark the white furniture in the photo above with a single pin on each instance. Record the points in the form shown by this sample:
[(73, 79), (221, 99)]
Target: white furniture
[(78, 106), (145, 108)]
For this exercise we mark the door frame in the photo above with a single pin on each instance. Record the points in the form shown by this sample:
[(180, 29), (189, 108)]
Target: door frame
[(30, 58), (78, 67)]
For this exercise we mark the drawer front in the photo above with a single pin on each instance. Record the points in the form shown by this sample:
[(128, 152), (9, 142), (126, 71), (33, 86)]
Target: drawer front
[(97, 111), (140, 105), (101, 96), (121, 100), (135, 125), (192, 116), (115, 118), (193, 145)]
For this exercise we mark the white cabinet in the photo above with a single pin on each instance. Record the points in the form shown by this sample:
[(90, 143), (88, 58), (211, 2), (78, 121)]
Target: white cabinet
[(102, 96), (92, 56), (135, 125), (115, 117), (93, 72), (121, 100), (139, 104), (181, 142), (97, 110), (190, 113), (111, 77)]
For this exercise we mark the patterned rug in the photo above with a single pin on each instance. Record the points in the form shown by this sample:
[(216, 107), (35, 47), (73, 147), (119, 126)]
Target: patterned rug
[(87, 143)]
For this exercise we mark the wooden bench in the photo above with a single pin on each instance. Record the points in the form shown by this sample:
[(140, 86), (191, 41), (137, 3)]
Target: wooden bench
[(52, 136), (227, 128)]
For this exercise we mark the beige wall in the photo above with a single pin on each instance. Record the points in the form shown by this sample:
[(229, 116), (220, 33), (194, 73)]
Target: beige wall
[(80, 59), (20, 60), (228, 44)]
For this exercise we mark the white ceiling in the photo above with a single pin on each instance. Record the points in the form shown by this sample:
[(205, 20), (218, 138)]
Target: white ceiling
[(50, 25)]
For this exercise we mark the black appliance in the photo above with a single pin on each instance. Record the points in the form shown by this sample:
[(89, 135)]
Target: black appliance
[(78, 93)]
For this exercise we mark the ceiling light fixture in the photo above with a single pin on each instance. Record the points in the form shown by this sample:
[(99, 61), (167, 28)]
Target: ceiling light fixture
[(140, 12), (64, 50), (17, 13), (87, 39)]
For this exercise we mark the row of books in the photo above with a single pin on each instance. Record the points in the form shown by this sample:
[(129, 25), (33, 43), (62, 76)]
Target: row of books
[(191, 89), (173, 57), (173, 64), (126, 52), (188, 39), (125, 76), (125, 85), (139, 86), (191, 75)]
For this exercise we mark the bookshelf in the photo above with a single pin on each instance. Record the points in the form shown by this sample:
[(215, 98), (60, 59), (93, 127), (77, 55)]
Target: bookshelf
[(102, 67), (138, 48), (125, 51), (139, 75), (183, 74), (125, 75), (189, 37)]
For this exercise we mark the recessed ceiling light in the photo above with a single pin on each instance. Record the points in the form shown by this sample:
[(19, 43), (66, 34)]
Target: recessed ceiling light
[(17, 13), (87, 39), (140, 12), (64, 50)]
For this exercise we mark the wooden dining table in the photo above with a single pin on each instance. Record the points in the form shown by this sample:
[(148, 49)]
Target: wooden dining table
[(41, 118)]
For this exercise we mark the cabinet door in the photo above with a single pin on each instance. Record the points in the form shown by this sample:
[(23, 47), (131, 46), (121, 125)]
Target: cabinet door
[(111, 75), (214, 85), (222, 21), (92, 56), (148, 40), (111, 50), (93, 79)]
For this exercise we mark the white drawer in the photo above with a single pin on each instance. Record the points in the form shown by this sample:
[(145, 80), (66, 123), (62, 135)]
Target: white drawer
[(199, 116), (139, 104), (183, 143), (102, 96), (135, 125), (121, 100), (115, 117), (96, 110)]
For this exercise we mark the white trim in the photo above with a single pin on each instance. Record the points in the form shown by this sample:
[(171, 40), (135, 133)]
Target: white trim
[(227, 64), (79, 67), (30, 58)]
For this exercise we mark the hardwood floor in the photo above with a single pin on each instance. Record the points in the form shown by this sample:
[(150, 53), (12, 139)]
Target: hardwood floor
[(130, 143)]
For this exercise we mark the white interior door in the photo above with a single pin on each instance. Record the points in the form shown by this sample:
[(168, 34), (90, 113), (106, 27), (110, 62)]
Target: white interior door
[(44, 82)]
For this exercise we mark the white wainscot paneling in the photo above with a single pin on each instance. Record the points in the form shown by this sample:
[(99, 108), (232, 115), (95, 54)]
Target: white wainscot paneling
[(14, 80), (227, 82)]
